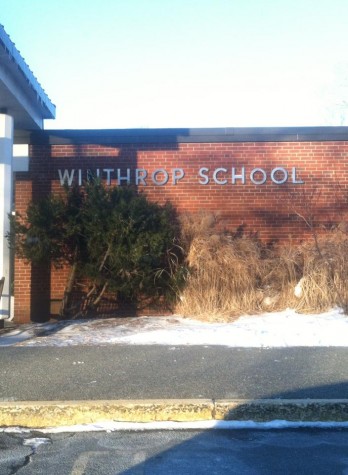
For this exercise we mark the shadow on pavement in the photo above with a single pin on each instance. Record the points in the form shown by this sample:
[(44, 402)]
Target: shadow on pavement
[(251, 452), (254, 451)]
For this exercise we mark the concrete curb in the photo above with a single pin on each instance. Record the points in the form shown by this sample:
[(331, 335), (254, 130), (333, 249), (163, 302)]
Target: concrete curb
[(41, 414)]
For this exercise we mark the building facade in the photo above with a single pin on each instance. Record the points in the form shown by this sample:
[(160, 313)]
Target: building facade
[(273, 183)]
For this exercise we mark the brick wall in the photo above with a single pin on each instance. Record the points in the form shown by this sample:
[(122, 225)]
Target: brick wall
[(317, 190)]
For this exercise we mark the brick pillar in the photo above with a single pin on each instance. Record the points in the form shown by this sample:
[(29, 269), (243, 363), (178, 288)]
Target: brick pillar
[(22, 269), (32, 281)]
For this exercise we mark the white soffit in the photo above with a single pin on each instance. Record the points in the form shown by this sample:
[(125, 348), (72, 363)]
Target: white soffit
[(20, 160)]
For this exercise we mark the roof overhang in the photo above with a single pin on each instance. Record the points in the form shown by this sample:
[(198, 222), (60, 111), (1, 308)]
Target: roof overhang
[(174, 136), (21, 95)]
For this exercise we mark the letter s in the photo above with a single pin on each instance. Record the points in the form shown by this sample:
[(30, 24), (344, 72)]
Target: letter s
[(201, 173)]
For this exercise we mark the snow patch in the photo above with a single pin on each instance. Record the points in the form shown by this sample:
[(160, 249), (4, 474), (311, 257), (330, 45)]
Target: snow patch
[(267, 330), (197, 425), (35, 442)]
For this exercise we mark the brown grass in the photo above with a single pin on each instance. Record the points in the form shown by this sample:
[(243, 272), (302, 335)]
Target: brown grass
[(325, 270), (235, 274)]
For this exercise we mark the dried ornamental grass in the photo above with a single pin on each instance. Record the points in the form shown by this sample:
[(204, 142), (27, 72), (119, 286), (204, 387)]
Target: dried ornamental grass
[(325, 269), (224, 273), (231, 275)]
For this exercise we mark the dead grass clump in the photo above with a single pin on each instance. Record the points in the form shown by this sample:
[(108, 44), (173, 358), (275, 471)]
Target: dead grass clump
[(225, 272), (324, 282), (282, 271), (230, 275), (193, 226)]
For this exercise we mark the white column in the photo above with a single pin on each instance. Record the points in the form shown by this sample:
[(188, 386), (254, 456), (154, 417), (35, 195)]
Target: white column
[(6, 144)]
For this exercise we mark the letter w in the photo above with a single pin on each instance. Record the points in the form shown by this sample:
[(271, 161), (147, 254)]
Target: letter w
[(65, 177)]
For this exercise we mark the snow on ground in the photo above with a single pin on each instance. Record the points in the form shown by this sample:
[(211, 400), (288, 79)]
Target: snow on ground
[(110, 426), (279, 329)]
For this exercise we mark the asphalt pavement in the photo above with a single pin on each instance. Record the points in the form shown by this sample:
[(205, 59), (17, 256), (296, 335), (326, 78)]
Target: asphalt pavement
[(82, 384), (187, 372), (184, 452)]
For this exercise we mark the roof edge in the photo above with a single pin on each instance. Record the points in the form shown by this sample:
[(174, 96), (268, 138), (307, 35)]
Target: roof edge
[(187, 135), (15, 56)]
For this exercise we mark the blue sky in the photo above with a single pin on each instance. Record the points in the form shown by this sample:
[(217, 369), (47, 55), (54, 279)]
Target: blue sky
[(186, 63)]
